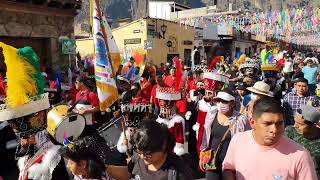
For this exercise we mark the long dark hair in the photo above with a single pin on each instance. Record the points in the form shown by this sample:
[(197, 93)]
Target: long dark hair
[(95, 166)]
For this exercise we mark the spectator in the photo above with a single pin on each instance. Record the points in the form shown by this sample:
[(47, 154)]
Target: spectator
[(128, 69), (119, 70), (306, 131), (154, 158), (259, 90), (241, 92), (264, 153), (310, 73), (153, 99), (161, 69), (298, 71), (293, 100), (135, 78), (170, 79), (84, 165), (146, 86), (223, 123), (233, 72)]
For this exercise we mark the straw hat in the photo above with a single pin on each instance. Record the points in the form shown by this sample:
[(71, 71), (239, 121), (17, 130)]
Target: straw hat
[(261, 88)]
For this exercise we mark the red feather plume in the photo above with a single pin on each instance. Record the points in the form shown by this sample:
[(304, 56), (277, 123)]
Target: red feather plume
[(177, 64), (214, 62)]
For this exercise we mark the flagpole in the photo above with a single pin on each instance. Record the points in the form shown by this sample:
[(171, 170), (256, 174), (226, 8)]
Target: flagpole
[(104, 33)]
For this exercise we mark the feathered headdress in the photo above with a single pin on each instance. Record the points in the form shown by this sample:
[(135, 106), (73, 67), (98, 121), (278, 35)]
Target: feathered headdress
[(25, 84), (212, 74), (241, 60), (214, 62), (249, 63), (172, 93)]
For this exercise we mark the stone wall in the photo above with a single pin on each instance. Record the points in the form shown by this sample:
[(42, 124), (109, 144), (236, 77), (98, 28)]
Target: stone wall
[(13, 24)]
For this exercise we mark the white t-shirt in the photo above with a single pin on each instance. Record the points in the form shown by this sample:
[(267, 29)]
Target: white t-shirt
[(288, 67), (286, 160)]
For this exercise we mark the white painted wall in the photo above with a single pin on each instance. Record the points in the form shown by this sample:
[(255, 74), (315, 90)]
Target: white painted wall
[(210, 31), (160, 10)]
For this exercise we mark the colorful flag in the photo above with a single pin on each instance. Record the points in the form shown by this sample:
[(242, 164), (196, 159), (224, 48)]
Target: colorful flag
[(106, 85)]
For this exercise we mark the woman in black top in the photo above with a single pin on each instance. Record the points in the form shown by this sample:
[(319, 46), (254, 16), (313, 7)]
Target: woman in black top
[(215, 130)]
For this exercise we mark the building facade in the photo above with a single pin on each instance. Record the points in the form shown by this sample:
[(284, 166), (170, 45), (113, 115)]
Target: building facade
[(225, 35), (40, 25), (160, 40)]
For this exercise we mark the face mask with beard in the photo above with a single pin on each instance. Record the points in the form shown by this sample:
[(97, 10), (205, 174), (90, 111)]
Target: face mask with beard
[(249, 72), (208, 95)]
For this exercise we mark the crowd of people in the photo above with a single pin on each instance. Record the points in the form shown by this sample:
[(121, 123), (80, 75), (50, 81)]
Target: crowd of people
[(256, 118)]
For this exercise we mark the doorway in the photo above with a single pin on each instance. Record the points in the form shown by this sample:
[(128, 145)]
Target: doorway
[(170, 57), (39, 45)]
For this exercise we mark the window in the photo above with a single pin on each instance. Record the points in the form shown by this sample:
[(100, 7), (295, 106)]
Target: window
[(187, 57)]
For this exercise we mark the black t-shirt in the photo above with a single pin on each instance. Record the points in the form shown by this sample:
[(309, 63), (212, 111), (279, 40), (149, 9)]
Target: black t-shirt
[(173, 164), (216, 136)]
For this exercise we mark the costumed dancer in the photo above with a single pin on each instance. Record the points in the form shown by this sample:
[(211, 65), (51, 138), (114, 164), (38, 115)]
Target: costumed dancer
[(133, 114), (249, 70), (214, 82), (168, 96), (270, 75), (25, 111)]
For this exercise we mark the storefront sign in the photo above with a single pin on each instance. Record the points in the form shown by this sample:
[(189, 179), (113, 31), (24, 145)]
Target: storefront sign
[(148, 44), (68, 46), (132, 41), (152, 33), (187, 42)]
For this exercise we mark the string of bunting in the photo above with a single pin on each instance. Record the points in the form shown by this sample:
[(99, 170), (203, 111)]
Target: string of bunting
[(269, 23)]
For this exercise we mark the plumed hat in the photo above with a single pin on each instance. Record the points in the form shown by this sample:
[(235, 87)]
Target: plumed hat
[(25, 88)]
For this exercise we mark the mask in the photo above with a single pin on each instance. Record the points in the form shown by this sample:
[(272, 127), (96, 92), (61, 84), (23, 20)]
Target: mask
[(223, 108), (167, 109), (253, 96)]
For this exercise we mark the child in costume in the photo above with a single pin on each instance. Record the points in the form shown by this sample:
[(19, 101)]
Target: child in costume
[(133, 114)]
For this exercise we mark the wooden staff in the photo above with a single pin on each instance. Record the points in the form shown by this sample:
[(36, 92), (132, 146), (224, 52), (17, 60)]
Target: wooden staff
[(125, 136)]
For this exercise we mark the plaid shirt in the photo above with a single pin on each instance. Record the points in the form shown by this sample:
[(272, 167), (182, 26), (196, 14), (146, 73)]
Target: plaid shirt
[(292, 102), (238, 123)]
